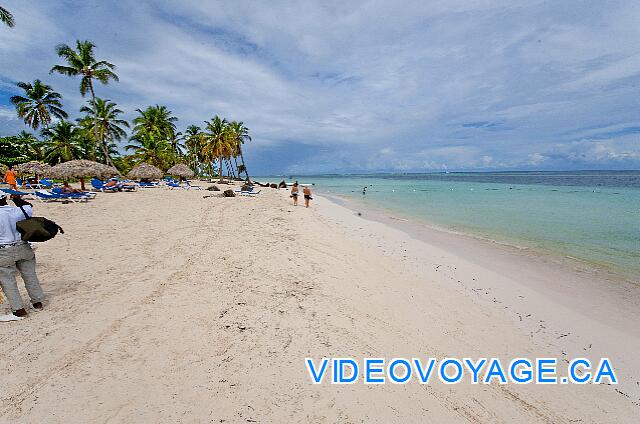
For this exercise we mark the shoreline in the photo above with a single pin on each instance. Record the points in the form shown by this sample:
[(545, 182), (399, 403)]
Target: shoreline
[(530, 288), (406, 222)]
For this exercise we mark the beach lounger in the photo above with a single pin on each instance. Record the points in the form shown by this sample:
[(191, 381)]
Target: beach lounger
[(46, 183), (88, 194), (144, 184), (34, 186), (194, 187), (17, 193), (127, 186), (99, 185), (249, 193), (46, 196), (173, 185)]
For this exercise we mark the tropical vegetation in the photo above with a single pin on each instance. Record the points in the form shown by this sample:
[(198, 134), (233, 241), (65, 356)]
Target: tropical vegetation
[(99, 132), (38, 104)]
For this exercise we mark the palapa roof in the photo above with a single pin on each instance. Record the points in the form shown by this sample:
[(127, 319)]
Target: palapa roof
[(181, 170), (145, 171), (33, 167), (82, 168)]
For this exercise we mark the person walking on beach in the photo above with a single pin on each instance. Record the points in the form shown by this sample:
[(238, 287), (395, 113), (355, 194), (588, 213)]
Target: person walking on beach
[(294, 193), (10, 178), (307, 195), (17, 255)]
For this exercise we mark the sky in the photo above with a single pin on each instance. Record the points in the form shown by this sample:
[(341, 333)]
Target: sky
[(361, 86)]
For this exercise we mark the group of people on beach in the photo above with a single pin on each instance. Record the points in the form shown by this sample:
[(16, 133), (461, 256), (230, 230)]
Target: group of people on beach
[(306, 192)]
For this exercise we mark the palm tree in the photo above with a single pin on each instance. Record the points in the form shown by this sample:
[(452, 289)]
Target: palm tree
[(239, 134), (194, 141), (176, 145), (61, 142), (32, 145), (217, 145), (154, 136), (102, 120), (83, 62), (6, 17), (156, 119), (87, 139), (38, 104), (149, 148)]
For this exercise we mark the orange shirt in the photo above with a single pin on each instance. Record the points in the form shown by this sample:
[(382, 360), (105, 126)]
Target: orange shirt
[(10, 177)]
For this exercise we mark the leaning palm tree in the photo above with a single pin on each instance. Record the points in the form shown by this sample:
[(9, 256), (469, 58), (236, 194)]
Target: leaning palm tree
[(38, 104), (6, 17), (239, 134), (102, 120), (61, 142), (217, 138), (82, 62)]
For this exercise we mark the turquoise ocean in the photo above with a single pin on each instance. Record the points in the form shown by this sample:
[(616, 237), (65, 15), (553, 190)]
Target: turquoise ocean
[(592, 216)]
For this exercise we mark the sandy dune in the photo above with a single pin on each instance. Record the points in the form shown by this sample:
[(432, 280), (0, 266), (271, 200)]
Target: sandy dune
[(164, 306)]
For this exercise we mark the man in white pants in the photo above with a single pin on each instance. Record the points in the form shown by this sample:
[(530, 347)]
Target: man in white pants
[(16, 255)]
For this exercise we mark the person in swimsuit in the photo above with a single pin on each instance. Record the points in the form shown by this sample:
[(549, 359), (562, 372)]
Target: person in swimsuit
[(66, 188), (294, 193), (307, 196)]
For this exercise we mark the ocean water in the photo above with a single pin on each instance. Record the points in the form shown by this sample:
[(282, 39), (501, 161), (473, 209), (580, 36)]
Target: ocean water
[(592, 216)]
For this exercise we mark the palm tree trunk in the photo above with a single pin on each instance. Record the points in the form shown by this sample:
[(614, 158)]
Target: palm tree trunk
[(243, 164), (102, 143), (220, 173), (230, 170)]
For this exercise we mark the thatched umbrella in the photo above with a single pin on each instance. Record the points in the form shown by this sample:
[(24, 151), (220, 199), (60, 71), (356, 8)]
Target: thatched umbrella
[(144, 171), (181, 170), (82, 168), (33, 168)]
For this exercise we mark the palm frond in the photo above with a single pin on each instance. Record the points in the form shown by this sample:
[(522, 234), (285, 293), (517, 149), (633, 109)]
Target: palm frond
[(7, 17)]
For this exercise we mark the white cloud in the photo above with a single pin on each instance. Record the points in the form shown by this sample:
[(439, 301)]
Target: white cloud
[(8, 114), (353, 79)]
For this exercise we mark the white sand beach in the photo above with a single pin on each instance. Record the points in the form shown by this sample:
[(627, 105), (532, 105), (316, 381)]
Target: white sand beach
[(164, 306)]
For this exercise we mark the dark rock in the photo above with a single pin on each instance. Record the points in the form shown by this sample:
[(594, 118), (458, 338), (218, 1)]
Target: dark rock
[(229, 193), (213, 188), (274, 186), (282, 184)]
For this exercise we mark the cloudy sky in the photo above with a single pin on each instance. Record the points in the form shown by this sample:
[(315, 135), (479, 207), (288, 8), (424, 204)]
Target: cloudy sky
[(360, 86)]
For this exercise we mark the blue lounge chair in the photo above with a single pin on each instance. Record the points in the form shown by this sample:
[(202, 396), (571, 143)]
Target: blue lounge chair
[(87, 194), (46, 196), (99, 185), (34, 186), (46, 183), (17, 193)]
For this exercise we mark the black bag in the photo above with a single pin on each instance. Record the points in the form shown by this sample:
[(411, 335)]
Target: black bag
[(37, 228)]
